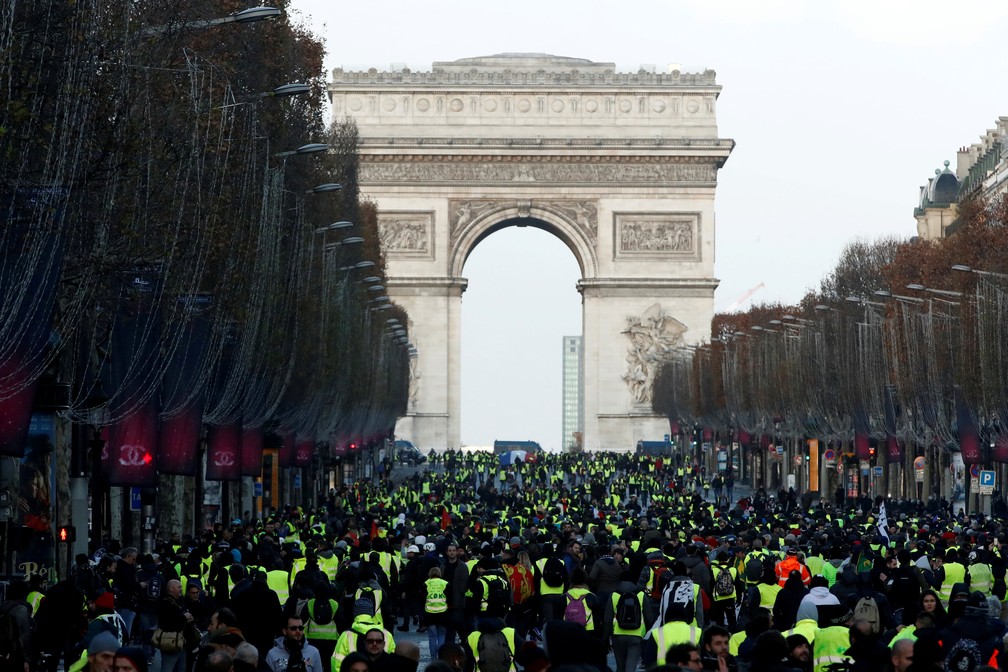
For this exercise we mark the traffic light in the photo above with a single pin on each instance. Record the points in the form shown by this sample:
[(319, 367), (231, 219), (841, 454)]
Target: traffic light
[(353, 446), (871, 451), (67, 534)]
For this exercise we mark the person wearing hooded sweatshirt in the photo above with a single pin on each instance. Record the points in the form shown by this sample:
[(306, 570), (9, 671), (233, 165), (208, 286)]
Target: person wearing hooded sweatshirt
[(292, 646), (819, 593)]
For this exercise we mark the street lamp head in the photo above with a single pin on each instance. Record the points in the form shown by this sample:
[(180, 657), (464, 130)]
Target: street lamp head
[(292, 89), (324, 188), (313, 148), (335, 226), (776, 322), (256, 14), (821, 307), (370, 280), (883, 292), (962, 267), (367, 263), (916, 286), (376, 288), (352, 240)]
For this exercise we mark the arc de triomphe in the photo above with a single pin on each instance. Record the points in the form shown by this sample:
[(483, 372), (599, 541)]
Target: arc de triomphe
[(622, 167)]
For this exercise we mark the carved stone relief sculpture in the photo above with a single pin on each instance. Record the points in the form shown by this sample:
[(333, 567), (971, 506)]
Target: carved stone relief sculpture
[(650, 235), (653, 335), (405, 233)]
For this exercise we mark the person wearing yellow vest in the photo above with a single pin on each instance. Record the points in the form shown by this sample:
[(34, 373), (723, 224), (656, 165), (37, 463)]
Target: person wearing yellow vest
[(492, 647), (626, 623), (98, 656), (364, 636), (551, 574), (668, 635), (580, 602), (947, 572), (980, 576), (833, 637), (319, 617), (764, 593), (278, 582), (724, 591), (435, 609)]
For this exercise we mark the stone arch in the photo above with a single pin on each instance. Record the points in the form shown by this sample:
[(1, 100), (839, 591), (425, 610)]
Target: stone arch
[(579, 237)]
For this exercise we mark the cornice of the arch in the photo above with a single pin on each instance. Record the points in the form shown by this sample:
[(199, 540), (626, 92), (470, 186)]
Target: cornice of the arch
[(575, 222)]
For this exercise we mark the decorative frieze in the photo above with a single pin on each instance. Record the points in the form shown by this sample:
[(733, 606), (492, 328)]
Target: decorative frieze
[(601, 106), (495, 171)]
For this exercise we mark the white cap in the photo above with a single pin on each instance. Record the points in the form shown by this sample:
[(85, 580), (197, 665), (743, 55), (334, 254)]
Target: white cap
[(413, 549), (420, 540), (429, 546)]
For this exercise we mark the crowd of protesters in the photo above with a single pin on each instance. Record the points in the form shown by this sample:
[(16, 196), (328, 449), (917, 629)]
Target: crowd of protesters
[(577, 562)]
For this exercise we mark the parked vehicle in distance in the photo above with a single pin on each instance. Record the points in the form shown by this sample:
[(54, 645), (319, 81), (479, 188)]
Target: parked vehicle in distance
[(407, 453), (654, 448), (501, 447)]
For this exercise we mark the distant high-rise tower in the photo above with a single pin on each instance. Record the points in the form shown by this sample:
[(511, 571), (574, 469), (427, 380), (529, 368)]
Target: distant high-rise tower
[(573, 393)]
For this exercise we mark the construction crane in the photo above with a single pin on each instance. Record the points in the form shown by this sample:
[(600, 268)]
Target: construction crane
[(745, 297)]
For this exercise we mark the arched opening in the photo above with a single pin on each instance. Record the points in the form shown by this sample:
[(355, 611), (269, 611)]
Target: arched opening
[(520, 303)]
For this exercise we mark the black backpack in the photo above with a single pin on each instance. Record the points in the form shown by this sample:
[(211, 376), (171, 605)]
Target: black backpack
[(322, 612), (499, 596), (493, 654), (554, 573), (628, 611)]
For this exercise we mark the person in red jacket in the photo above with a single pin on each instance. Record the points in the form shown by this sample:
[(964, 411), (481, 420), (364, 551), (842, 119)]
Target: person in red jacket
[(793, 561)]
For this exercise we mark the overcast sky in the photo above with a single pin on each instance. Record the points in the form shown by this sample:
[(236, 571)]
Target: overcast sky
[(840, 111)]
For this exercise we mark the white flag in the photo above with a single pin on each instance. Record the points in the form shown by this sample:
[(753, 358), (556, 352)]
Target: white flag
[(883, 522)]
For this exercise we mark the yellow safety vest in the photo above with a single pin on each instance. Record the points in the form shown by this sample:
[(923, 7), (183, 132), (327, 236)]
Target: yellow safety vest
[(807, 628), (473, 640), (768, 594), (34, 600), (954, 573), (723, 598), (324, 631), (735, 641), (347, 642), (437, 601), (543, 588), (981, 578), (830, 646), (577, 593), (909, 632), (277, 581), (674, 633), (616, 630)]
